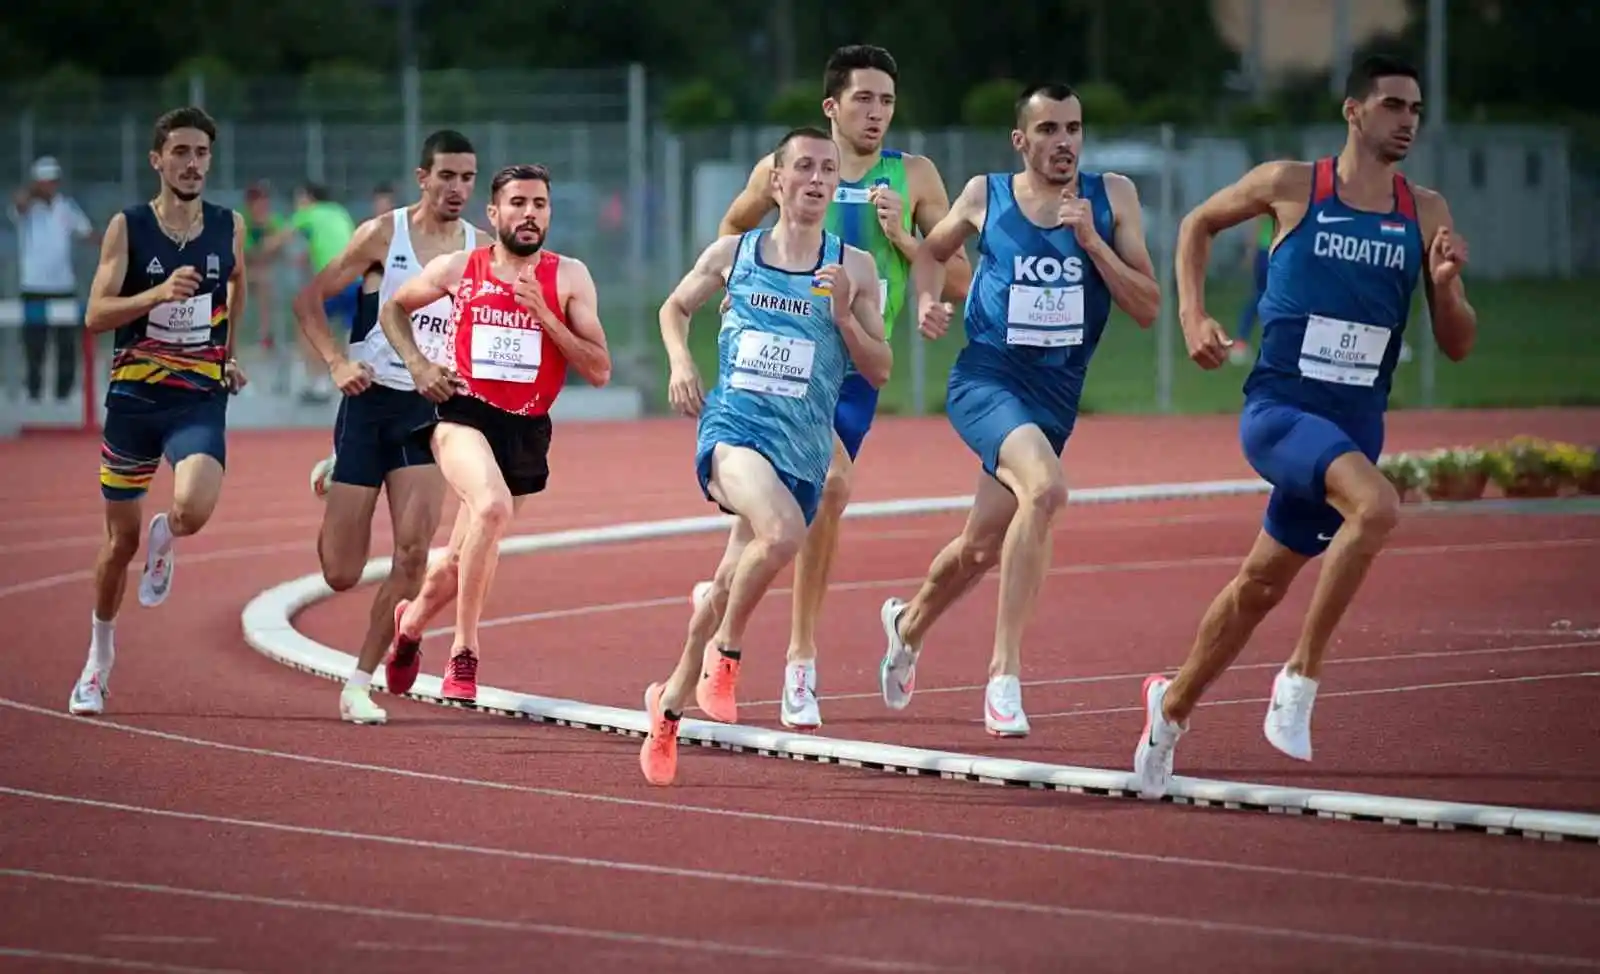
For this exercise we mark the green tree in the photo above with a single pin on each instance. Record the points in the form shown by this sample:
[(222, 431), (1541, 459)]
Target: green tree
[(796, 104), (221, 90), (697, 103)]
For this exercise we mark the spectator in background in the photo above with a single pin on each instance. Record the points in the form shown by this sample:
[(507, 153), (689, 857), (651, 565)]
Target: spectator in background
[(327, 229), (382, 199), (47, 221), (260, 223)]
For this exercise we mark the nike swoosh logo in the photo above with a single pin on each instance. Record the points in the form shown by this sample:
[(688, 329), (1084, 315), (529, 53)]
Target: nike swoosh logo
[(1324, 537), (997, 715), (1325, 218)]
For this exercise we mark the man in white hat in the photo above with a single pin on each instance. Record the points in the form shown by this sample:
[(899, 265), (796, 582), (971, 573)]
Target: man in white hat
[(47, 221)]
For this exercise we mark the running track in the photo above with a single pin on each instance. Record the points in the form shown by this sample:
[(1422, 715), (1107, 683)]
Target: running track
[(220, 817)]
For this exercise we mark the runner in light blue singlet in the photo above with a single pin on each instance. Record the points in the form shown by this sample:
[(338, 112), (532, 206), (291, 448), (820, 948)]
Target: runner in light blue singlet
[(781, 361)]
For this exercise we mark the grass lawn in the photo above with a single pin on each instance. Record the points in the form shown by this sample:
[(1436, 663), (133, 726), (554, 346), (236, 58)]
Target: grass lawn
[(1538, 345)]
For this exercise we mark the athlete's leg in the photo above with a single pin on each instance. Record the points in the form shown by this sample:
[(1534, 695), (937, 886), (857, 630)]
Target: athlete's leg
[(1370, 508), (195, 444), (815, 560), (1260, 584), (474, 471), (744, 482), (355, 479), (962, 563), (708, 613), (130, 454), (1031, 469)]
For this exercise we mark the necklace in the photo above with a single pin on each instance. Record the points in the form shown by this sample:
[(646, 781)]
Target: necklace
[(182, 236)]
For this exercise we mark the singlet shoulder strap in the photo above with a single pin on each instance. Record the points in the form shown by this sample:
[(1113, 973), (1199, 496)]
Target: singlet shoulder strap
[(1405, 201), (892, 153), (1322, 181)]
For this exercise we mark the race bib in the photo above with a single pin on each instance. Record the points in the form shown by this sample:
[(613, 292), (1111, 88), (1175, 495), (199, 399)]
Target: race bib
[(506, 354), (1045, 317), (1344, 352), (186, 322), (772, 364)]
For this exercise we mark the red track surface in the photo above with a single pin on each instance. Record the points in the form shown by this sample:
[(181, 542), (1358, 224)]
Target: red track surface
[(220, 817)]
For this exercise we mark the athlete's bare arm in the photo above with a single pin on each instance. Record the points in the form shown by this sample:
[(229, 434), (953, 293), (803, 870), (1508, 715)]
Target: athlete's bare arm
[(685, 392), (581, 339), (1124, 264), (1270, 188), (929, 204), (704, 279), (945, 239), (438, 279), (753, 203), (862, 330), (108, 310), (1279, 188), (1455, 321), (368, 246)]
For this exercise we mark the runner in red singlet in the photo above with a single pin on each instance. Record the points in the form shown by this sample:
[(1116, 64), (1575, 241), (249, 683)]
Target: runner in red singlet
[(521, 315)]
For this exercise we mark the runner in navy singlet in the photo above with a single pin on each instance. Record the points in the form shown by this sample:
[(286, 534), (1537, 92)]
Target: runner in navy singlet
[(1353, 239)]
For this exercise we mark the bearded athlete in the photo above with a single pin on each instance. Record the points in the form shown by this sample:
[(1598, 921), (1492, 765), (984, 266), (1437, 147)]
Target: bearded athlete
[(521, 315), (883, 197)]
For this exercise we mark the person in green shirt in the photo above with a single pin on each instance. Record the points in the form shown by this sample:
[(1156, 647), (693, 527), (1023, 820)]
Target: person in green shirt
[(326, 227), (885, 197)]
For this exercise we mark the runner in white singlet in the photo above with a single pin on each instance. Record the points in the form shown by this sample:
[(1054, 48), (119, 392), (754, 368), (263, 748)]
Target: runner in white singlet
[(380, 437)]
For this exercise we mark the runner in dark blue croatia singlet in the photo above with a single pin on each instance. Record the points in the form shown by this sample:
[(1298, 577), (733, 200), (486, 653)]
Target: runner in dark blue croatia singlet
[(1332, 319), (1033, 318)]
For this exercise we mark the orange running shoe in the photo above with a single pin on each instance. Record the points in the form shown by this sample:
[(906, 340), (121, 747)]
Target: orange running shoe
[(658, 758), (714, 692)]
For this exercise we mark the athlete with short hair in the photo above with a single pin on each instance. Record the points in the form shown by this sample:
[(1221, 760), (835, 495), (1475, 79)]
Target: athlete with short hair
[(1355, 236), (803, 305), (883, 198), (1058, 246), (521, 314), (171, 285), (381, 432)]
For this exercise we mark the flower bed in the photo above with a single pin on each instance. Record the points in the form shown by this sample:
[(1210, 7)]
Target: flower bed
[(1523, 466)]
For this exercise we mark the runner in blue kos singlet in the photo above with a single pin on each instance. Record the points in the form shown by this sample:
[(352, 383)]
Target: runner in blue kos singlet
[(1033, 320)]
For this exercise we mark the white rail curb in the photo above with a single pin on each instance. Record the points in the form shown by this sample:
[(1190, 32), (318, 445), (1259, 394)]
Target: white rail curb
[(268, 622)]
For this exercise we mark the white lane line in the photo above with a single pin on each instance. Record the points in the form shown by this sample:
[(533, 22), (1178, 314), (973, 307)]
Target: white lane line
[(827, 824)]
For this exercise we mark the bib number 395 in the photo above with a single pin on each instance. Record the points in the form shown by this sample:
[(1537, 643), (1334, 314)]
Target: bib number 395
[(506, 354)]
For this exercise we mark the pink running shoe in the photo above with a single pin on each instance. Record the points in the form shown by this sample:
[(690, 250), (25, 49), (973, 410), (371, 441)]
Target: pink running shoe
[(461, 677), (405, 655)]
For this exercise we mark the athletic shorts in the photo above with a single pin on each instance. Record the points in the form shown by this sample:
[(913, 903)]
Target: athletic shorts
[(378, 432), (1291, 449), (805, 493), (852, 417), (344, 307), (139, 431), (985, 409), (521, 444)]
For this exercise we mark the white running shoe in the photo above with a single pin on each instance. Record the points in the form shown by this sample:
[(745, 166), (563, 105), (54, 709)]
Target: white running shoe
[(156, 582), (356, 706), (1288, 722), (799, 710), (89, 695), (1152, 759), (322, 475), (897, 674), (1002, 708)]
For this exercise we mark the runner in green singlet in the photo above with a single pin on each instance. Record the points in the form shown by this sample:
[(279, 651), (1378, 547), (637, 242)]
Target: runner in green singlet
[(885, 198)]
